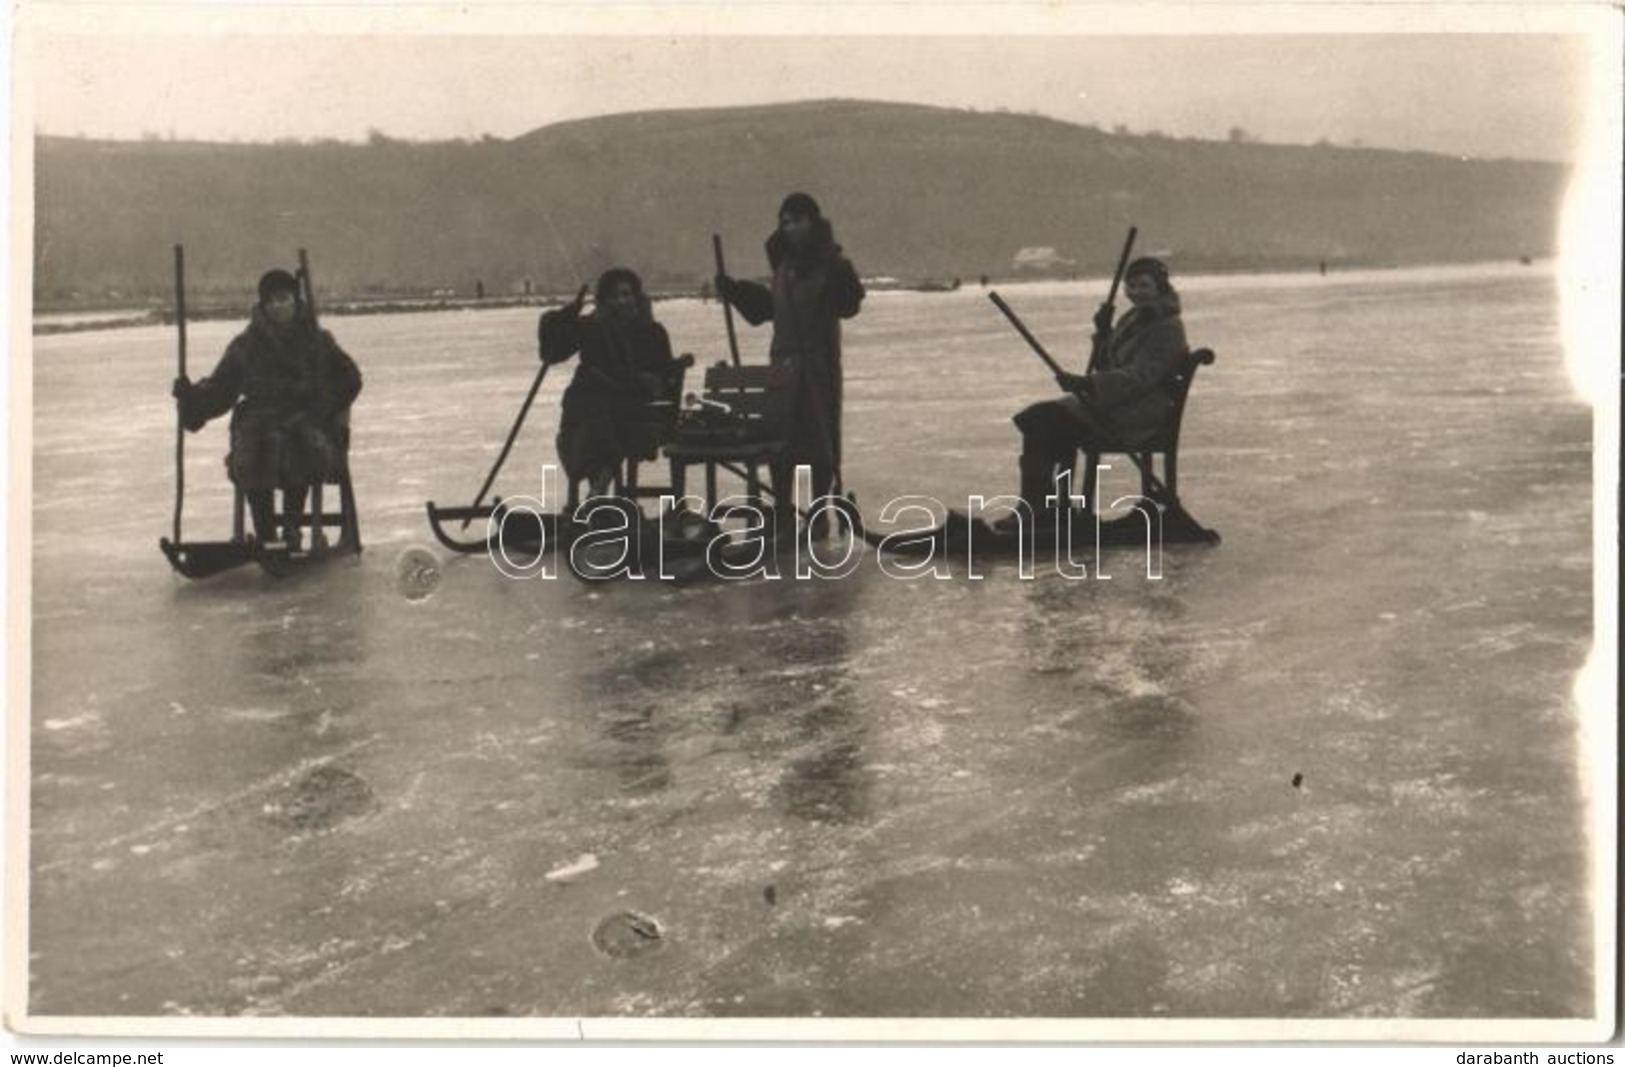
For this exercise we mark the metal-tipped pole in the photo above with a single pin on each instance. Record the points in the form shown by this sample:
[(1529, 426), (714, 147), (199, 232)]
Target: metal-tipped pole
[(180, 421)]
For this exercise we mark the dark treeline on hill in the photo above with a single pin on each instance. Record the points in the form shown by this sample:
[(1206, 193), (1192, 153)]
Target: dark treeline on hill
[(914, 191)]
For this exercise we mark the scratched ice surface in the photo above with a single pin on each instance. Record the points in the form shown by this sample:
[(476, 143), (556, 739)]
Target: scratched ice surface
[(858, 797)]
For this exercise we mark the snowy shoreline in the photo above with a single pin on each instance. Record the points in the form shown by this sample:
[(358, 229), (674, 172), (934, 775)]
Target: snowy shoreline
[(55, 322)]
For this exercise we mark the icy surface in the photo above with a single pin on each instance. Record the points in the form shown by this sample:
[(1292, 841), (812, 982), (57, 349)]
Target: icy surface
[(325, 796)]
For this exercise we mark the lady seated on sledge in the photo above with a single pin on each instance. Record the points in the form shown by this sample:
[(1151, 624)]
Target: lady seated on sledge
[(626, 365), (1123, 402), (289, 387)]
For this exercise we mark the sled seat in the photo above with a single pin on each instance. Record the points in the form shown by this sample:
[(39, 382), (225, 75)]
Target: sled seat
[(317, 517), (663, 411), (1165, 443), (745, 435)]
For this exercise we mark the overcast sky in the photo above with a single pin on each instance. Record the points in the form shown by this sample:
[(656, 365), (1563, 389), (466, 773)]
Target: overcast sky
[(1476, 95)]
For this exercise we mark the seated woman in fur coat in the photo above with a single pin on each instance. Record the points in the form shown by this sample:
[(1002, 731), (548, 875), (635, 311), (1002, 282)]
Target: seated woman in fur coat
[(626, 363), (289, 387), (1123, 402)]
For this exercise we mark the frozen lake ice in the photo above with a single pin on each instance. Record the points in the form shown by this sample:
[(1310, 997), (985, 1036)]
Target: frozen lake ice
[(863, 797)]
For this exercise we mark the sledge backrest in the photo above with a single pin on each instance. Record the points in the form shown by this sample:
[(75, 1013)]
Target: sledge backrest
[(1180, 381), (758, 391), (1179, 388)]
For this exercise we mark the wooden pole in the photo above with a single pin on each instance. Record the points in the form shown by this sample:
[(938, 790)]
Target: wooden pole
[(535, 385), (513, 434), (307, 285), (727, 308), (1122, 263), (1111, 296), (180, 421), (1021, 328)]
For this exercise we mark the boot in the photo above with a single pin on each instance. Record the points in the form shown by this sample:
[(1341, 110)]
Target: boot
[(293, 515), (1037, 482), (262, 510), (1038, 473)]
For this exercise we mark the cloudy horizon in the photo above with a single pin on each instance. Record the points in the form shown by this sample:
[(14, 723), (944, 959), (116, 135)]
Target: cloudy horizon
[(1481, 95)]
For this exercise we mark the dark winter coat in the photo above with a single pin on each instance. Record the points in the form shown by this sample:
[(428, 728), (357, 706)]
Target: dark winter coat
[(625, 364), (1131, 397), (809, 297), (289, 391)]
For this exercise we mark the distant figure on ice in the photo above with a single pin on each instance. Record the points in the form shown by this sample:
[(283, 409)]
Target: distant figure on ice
[(1125, 398), (626, 363), (289, 387), (814, 288)]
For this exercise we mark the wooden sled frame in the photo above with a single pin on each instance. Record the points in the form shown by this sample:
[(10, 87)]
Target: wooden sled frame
[(1158, 516), (203, 559), (761, 403), (523, 528), (527, 534), (314, 523), (477, 539), (1176, 524)]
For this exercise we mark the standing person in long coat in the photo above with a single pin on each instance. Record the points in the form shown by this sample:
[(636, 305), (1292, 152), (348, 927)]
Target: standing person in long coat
[(1124, 402), (289, 387), (814, 287), (626, 363)]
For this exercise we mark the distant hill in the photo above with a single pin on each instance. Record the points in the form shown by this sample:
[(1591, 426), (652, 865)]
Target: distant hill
[(914, 192)]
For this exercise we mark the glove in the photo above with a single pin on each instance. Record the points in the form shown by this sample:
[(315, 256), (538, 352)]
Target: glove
[(724, 286), (181, 390), (578, 303), (1103, 319), (686, 360), (1075, 383)]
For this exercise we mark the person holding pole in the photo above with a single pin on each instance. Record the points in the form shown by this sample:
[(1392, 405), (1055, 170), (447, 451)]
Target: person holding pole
[(1122, 400), (626, 363), (814, 287), (289, 387)]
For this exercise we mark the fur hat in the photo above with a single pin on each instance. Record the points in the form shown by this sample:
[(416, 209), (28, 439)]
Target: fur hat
[(277, 281), (800, 205), (612, 279), (1155, 269)]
